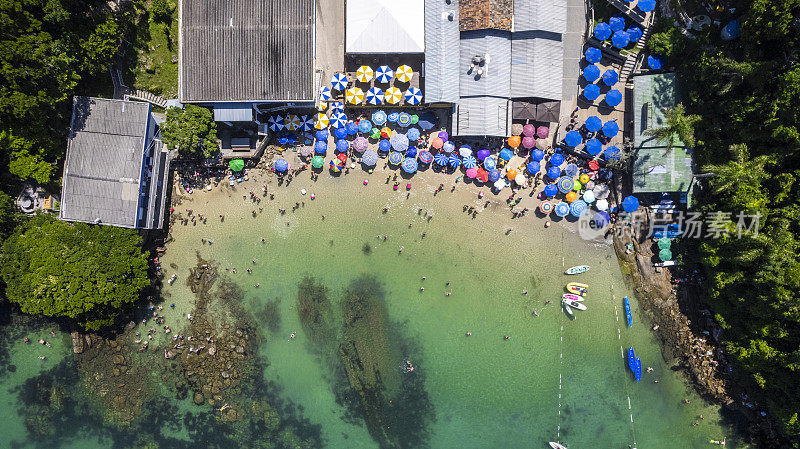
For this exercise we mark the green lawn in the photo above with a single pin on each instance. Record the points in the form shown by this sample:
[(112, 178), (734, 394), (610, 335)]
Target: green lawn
[(149, 64)]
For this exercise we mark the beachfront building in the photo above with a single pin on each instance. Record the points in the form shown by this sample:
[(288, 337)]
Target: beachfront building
[(655, 169), (116, 169)]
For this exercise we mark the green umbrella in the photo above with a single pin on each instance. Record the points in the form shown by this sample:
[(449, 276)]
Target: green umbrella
[(664, 243), (375, 133), (236, 164), (317, 161), (665, 254), (414, 119)]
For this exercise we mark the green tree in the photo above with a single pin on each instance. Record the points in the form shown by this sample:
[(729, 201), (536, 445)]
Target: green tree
[(190, 130), (666, 43), (160, 11), (24, 160), (58, 269), (740, 179), (10, 216), (678, 126)]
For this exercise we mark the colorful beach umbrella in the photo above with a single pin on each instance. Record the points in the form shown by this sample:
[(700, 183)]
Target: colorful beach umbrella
[(339, 81), (593, 124), (342, 145), (601, 219), (404, 119), (379, 118), (565, 184), (325, 93), (610, 77), (489, 163), (275, 123), (413, 96), (537, 155), (360, 144), (364, 126), (354, 95), (384, 145), (571, 170), (610, 128), (578, 207), (454, 161), (630, 204), (338, 120), (375, 96), (395, 157), (317, 161), (281, 165), (393, 116), (591, 73), (561, 209), (529, 130), (612, 153), (404, 74), (392, 95), (601, 191), (620, 39), (664, 243), (546, 207), (573, 139), (514, 141), (320, 147), (511, 174), (409, 165), (483, 154), (528, 142), (482, 175), (399, 141), (591, 92), (322, 105), (506, 154), (471, 172), (364, 74), (437, 143), (533, 167), (588, 196), (337, 106), (292, 122), (602, 31), (617, 22), (571, 196), (635, 32), (375, 133), (370, 158), (413, 134), (306, 123), (593, 55), (665, 255), (553, 173), (613, 97), (469, 162), (445, 137), (494, 175), (440, 159), (236, 164), (384, 74), (386, 132), (411, 151), (425, 157), (594, 146), (335, 165)]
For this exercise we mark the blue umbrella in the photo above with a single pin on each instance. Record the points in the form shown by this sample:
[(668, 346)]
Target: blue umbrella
[(470, 162), (338, 120), (565, 184), (578, 207), (284, 139), (630, 204), (413, 95), (610, 129), (537, 155), (591, 92), (556, 160), (533, 167), (494, 175), (321, 147), (393, 116), (571, 170), (561, 209), (399, 141), (506, 154), (395, 157), (384, 145), (365, 126), (489, 163), (573, 139), (620, 39), (655, 62), (601, 219), (612, 152), (427, 120), (635, 32), (411, 152), (281, 165), (594, 147), (409, 165), (340, 133), (370, 158), (617, 23), (339, 81), (602, 31), (646, 5), (412, 134), (593, 55), (384, 74), (374, 96), (404, 119), (593, 124), (337, 106), (342, 145), (591, 73), (553, 173), (322, 134), (440, 159), (379, 118), (613, 97), (454, 161), (483, 153), (550, 190), (325, 93), (610, 77), (275, 123)]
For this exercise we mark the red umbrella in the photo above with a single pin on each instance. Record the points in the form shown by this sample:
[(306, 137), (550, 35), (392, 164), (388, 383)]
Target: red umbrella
[(593, 165), (342, 157), (482, 175)]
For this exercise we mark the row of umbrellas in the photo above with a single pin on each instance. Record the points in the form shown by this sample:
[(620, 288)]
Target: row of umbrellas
[(613, 97), (382, 74), (375, 95), (591, 73)]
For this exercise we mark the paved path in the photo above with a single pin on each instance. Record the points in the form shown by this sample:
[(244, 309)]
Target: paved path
[(573, 49), (329, 50)]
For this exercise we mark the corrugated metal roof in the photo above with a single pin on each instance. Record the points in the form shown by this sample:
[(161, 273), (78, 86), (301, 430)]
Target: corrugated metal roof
[(495, 47), (537, 66), (441, 51), (246, 50), (481, 116), (542, 15), (233, 112), (385, 26)]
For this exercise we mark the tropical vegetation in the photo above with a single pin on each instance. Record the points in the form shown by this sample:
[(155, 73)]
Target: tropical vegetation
[(190, 130)]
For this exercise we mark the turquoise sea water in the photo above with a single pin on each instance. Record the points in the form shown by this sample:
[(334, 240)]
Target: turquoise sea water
[(553, 379)]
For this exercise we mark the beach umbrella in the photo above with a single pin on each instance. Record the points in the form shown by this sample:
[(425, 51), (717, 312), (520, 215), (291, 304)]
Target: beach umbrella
[(588, 196), (413, 96), (414, 119), (384, 74), (393, 116), (571, 170), (482, 175), (275, 123), (305, 150), (551, 190), (601, 219), (409, 165), (471, 172), (520, 179), (593, 124), (565, 184), (593, 55), (412, 134), (591, 92), (489, 163), (610, 77), (339, 81), (635, 32), (537, 155), (411, 151), (395, 157), (613, 97), (630, 204), (571, 196), (281, 165), (517, 128), (384, 145), (335, 166), (514, 141), (437, 143), (306, 123), (448, 146), (404, 74), (601, 191), (440, 159), (236, 164), (370, 158), (292, 122), (655, 62), (499, 184), (546, 206), (494, 175), (399, 142), (322, 105), (338, 120), (425, 157), (593, 165), (325, 93), (665, 255), (612, 153), (556, 160), (594, 146), (386, 132), (364, 126), (591, 73), (664, 243), (601, 204), (483, 154), (392, 95), (602, 31), (378, 118), (528, 142), (342, 145), (427, 120), (584, 178), (469, 162), (529, 130), (646, 5), (533, 167), (561, 209), (364, 74), (360, 144), (317, 161), (374, 96), (577, 186), (404, 120), (340, 133), (354, 95), (617, 22), (620, 39), (320, 147), (352, 128), (511, 174), (506, 154), (610, 129), (445, 137), (375, 133), (337, 106), (454, 161), (577, 208), (553, 173)]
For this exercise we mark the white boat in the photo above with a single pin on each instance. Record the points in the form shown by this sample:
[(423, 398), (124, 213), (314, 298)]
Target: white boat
[(568, 310), (555, 445), (578, 269), (571, 297), (573, 304)]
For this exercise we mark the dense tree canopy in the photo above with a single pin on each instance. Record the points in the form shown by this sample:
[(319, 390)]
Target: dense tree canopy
[(190, 130), (88, 273)]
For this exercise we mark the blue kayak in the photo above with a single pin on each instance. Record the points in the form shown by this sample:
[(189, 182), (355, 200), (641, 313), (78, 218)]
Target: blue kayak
[(631, 359), (628, 316), (638, 371)]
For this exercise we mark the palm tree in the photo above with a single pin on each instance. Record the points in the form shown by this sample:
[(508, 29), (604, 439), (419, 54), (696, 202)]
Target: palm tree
[(678, 125), (741, 170)]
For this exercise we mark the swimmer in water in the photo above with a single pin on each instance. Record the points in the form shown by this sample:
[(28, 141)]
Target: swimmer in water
[(506, 337), (291, 336), (422, 289), (469, 334)]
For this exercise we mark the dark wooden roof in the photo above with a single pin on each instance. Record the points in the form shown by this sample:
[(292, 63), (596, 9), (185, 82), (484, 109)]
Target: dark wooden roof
[(483, 14), (243, 50)]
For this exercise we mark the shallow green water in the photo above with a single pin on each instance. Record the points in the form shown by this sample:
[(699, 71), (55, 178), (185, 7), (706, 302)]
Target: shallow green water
[(554, 378)]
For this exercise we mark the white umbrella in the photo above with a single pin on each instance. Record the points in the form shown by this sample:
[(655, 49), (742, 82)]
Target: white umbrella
[(464, 152), (520, 179), (499, 184), (601, 204), (601, 191), (588, 196)]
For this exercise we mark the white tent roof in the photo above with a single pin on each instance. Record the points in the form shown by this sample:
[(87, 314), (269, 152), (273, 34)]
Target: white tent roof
[(385, 26)]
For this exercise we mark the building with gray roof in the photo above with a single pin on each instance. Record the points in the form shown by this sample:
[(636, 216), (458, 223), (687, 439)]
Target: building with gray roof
[(116, 169), (441, 47)]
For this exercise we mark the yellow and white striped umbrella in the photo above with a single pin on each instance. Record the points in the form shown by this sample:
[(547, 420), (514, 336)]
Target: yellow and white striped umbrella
[(354, 95), (322, 106), (364, 74), (404, 73), (392, 95), (293, 122), (321, 121)]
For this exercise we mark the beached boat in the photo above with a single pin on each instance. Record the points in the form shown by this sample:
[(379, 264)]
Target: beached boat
[(631, 359), (577, 288), (555, 445), (628, 316), (568, 310), (638, 371), (578, 269), (573, 304), (571, 297)]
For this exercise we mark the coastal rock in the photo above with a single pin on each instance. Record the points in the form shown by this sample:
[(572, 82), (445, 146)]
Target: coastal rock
[(77, 343), (199, 398), (240, 350), (212, 350), (225, 375)]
